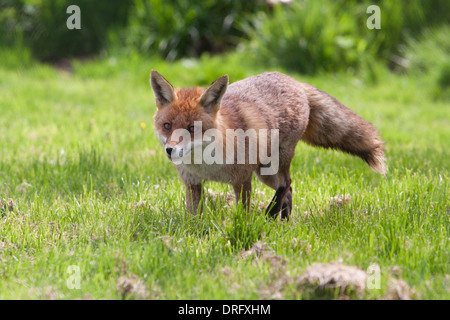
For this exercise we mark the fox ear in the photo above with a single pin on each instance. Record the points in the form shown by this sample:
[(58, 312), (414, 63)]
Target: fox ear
[(212, 96), (162, 89)]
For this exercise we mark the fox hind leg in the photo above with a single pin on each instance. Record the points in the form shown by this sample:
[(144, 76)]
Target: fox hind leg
[(287, 206), (281, 183), (278, 183), (281, 200)]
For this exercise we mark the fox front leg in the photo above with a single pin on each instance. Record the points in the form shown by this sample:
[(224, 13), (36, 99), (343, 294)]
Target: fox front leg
[(242, 191), (193, 198)]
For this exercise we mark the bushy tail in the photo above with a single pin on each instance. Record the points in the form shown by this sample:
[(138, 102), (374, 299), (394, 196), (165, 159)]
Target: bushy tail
[(332, 125)]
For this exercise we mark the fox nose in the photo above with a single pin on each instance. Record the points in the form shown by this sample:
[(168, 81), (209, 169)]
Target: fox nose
[(169, 150)]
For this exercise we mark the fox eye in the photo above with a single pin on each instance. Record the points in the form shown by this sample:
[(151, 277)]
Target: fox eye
[(191, 129), (167, 126)]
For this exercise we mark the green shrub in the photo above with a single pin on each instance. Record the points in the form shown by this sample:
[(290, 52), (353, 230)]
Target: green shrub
[(311, 36), (306, 37), (428, 57), (41, 25), (10, 24), (183, 28)]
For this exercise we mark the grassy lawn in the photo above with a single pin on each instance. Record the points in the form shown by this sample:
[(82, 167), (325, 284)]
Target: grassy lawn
[(92, 191)]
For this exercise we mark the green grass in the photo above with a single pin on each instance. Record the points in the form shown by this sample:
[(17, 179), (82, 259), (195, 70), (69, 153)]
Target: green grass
[(92, 188)]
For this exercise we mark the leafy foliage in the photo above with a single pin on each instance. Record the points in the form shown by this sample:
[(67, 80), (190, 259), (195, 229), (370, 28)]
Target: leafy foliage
[(428, 57), (310, 36), (176, 29), (41, 25)]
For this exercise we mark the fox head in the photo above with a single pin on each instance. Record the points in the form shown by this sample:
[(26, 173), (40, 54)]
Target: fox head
[(183, 115)]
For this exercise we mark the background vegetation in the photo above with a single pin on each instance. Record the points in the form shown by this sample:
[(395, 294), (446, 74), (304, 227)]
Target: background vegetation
[(84, 182), (303, 36)]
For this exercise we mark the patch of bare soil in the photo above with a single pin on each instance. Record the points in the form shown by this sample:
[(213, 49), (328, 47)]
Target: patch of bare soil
[(319, 281), (340, 200), (6, 205), (399, 290), (330, 277), (262, 252), (131, 285), (278, 278), (228, 197)]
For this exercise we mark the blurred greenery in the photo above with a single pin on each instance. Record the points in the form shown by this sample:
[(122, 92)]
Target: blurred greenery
[(41, 26), (310, 36), (429, 56), (177, 29), (305, 36)]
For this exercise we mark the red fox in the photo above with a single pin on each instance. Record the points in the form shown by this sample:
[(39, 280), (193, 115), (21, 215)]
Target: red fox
[(269, 101)]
